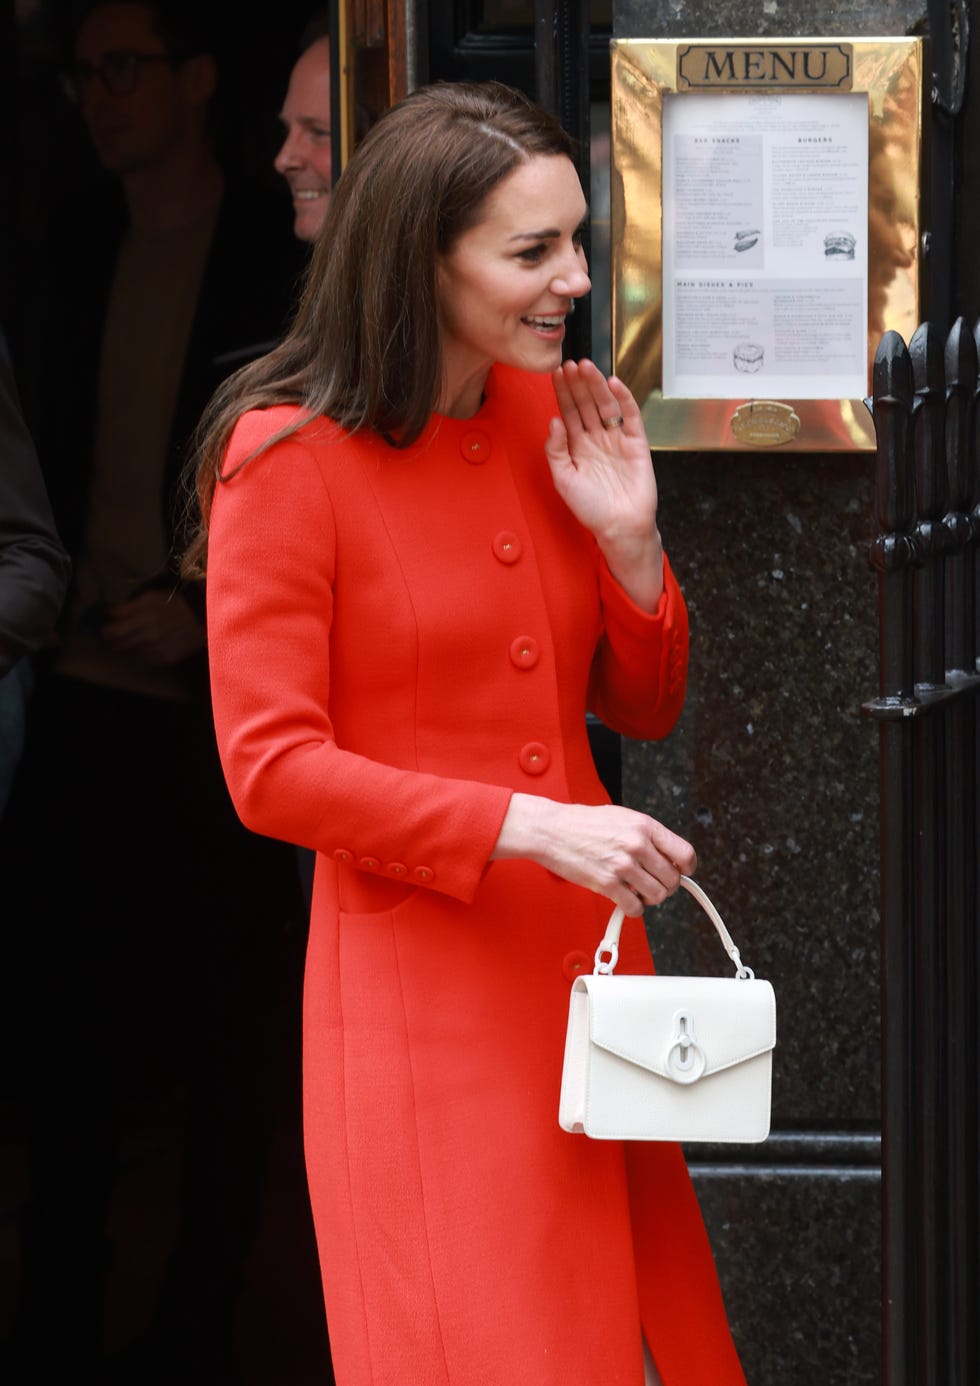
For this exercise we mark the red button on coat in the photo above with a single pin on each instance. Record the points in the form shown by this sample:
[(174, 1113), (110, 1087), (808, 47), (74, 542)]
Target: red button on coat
[(396, 868), (534, 758), (342, 854), (424, 874), (574, 964), (369, 863), (507, 546), (524, 651), (475, 445)]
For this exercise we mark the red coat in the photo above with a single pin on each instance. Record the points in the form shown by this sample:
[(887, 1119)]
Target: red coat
[(398, 641)]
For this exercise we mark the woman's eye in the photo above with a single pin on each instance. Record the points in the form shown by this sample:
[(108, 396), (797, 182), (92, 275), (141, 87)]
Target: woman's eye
[(532, 254)]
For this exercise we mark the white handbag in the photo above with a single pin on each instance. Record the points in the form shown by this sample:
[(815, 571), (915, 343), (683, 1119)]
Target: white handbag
[(668, 1058)]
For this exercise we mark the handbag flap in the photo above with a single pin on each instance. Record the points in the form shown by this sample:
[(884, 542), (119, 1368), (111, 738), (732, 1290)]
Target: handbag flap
[(682, 1028)]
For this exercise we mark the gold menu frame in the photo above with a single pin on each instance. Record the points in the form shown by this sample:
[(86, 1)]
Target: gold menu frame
[(895, 74)]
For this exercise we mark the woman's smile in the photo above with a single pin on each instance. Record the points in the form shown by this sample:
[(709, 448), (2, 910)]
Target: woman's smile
[(549, 326)]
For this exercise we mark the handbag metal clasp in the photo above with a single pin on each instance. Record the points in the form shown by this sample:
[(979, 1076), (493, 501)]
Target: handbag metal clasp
[(685, 1061)]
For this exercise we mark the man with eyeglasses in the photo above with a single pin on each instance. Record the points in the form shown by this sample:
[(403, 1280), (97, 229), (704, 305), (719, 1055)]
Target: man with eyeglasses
[(163, 953), (119, 73)]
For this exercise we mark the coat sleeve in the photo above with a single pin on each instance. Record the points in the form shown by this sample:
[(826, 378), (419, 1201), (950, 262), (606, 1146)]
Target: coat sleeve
[(270, 594), (639, 675), (34, 567)]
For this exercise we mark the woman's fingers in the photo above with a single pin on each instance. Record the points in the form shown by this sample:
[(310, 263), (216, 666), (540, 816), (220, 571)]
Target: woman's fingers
[(654, 879), (631, 857), (597, 406), (628, 407), (654, 869), (676, 850), (590, 401)]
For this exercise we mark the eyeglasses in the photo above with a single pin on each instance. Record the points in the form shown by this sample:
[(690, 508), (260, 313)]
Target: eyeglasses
[(119, 73)]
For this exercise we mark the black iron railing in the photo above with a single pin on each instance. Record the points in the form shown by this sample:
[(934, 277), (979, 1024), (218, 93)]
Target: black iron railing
[(927, 501)]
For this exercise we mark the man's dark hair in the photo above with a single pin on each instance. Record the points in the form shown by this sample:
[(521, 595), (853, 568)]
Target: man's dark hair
[(317, 27), (184, 27)]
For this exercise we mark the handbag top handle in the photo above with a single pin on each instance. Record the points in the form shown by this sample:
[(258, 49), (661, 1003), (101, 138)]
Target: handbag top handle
[(604, 966)]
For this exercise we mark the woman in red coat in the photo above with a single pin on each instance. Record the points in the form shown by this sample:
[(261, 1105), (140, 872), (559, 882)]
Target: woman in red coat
[(430, 548)]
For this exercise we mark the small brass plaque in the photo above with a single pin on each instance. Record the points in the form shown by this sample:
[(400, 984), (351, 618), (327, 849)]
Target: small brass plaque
[(744, 67), (765, 423)]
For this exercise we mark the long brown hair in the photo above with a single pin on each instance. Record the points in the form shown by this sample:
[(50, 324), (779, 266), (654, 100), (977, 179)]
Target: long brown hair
[(363, 345)]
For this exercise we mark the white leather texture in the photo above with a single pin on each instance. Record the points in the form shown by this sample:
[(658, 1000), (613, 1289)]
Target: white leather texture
[(617, 1081), (669, 1058)]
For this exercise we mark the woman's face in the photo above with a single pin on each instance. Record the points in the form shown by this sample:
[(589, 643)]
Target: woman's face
[(506, 286)]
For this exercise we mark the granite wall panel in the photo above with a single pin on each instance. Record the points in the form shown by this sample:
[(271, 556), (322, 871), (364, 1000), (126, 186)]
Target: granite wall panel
[(765, 18), (772, 770), (798, 1253)]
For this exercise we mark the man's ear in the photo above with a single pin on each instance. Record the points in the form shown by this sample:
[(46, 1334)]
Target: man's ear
[(200, 76)]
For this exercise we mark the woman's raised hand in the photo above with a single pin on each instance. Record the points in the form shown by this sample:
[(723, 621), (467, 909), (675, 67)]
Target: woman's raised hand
[(601, 466)]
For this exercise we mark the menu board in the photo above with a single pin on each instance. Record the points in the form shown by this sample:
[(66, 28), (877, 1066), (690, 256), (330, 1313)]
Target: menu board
[(765, 245)]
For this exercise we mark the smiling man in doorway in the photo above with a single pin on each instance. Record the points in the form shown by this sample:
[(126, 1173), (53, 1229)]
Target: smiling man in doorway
[(305, 158)]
